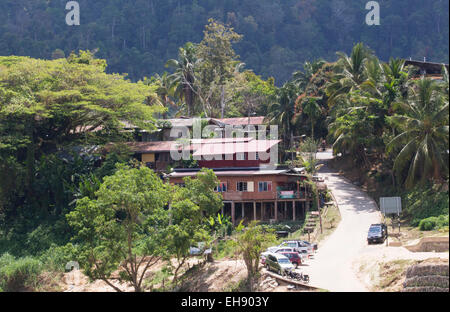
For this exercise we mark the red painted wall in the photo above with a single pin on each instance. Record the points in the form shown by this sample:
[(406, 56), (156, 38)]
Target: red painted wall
[(231, 163)]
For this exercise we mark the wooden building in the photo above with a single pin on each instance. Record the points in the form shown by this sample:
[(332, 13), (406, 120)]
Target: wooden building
[(259, 194)]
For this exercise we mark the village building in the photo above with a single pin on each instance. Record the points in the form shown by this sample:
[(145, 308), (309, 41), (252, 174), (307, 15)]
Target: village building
[(253, 187), (258, 194)]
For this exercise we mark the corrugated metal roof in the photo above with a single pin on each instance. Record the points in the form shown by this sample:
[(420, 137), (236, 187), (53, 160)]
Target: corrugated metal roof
[(256, 146), (220, 140), (230, 173), (151, 147), (242, 121)]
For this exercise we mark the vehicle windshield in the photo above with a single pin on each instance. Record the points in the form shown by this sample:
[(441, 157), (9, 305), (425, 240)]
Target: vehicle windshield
[(374, 230), (283, 261), (290, 245)]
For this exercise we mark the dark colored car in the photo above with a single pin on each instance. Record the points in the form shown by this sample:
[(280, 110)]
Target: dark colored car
[(377, 233), (278, 263), (294, 257)]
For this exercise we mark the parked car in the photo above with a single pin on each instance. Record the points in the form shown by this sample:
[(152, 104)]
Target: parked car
[(377, 233), (277, 249), (294, 257), (318, 179), (278, 263), (313, 245), (299, 246)]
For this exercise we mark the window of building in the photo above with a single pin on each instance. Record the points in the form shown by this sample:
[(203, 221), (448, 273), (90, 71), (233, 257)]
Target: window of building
[(257, 156), (240, 156), (222, 187), (265, 186), (241, 187), (245, 186)]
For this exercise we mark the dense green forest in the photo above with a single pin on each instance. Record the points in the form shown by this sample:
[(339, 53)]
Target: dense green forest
[(137, 37)]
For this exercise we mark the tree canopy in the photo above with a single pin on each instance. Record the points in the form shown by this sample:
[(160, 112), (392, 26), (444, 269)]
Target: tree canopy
[(138, 36)]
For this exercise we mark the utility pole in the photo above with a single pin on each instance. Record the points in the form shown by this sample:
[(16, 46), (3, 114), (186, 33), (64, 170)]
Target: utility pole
[(320, 212)]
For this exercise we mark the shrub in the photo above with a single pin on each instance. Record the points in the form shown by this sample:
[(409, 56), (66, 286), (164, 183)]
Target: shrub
[(289, 226), (442, 221), (225, 248), (18, 274), (425, 201), (433, 223), (56, 257), (427, 224)]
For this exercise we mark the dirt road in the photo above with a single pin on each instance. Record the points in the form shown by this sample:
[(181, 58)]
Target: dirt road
[(332, 266), (335, 265)]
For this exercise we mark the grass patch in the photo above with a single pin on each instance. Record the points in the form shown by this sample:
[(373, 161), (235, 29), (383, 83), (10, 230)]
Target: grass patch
[(20, 274), (330, 222), (224, 248), (240, 286)]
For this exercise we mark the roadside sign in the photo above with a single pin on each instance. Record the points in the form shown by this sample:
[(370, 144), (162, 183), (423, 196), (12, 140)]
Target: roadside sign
[(390, 205)]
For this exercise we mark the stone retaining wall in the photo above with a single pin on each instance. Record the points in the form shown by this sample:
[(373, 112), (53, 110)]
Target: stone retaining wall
[(427, 278)]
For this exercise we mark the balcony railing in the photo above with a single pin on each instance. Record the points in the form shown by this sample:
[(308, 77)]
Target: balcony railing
[(293, 195)]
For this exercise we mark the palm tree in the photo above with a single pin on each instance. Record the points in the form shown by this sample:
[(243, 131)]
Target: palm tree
[(302, 78), (312, 109), (165, 88), (350, 72), (353, 132), (424, 131), (281, 111), (184, 75)]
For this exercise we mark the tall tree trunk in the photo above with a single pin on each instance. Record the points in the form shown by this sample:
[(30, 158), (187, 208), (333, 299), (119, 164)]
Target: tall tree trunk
[(189, 97)]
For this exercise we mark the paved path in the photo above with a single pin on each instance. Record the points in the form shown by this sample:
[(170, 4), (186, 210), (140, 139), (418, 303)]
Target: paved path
[(339, 257), (331, 267)]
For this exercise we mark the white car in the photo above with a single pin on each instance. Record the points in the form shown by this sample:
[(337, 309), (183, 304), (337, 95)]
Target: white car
[(293, 246), (318, 179), (299, 246)]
